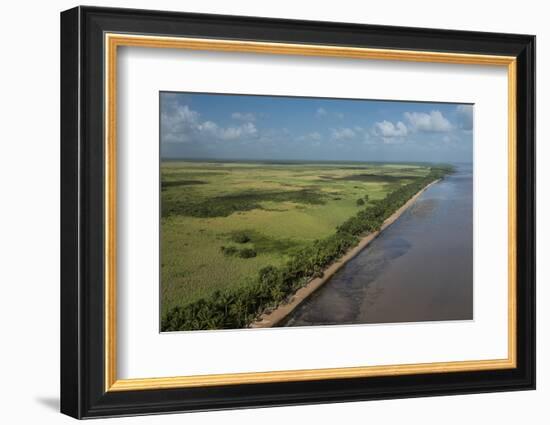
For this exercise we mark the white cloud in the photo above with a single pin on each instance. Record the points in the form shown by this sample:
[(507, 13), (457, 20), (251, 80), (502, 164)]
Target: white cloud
[(314, 136), (465, 116), (177, 121), (432, 122), (212, 129), (180, 124), (208, 127), (243, 116), (342, 133), (388, 129), (322, 112), (246, 131)]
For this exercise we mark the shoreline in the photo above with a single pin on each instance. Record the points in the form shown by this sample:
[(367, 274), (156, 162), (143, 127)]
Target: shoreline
[(274, 317)]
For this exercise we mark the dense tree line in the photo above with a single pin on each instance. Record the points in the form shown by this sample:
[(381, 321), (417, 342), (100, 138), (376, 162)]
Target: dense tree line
[(238, 307)]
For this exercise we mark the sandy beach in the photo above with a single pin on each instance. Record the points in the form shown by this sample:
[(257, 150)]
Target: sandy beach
[(272, 318)]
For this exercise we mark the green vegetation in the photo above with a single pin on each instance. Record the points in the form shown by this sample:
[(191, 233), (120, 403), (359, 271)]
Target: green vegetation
[(247, 253), (241, 237), (250, 235), (225, 205), (242, 253)]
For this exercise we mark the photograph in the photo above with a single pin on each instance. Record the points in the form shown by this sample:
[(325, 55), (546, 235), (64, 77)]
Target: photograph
[(262, 211), (286, 211)]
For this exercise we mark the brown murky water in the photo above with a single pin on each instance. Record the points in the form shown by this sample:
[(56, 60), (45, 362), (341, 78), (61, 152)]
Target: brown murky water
[(419, 269)]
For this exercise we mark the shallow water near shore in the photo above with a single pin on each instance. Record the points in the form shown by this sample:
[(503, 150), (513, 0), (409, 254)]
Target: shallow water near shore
[(419, 269)]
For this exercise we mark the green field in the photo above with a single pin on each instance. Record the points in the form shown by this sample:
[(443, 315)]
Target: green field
[(222, 223)]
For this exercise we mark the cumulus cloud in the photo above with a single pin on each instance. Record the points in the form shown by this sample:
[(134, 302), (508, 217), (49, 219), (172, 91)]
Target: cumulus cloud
[(321, 112), (177, 121), (465, 116), (314, 136), (388, 129), (181, 124), (432, 122), (209, 128), (245, 130), (419, 122), (243, 116), (342, 133)]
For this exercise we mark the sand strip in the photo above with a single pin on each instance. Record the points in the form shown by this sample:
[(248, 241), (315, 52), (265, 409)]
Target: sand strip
[(272, 318)]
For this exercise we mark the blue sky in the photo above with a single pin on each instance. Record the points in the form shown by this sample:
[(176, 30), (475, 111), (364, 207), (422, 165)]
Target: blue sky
[(215, 126)]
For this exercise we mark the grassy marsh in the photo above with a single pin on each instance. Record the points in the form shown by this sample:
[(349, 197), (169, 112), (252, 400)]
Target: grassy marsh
[(280, 209)]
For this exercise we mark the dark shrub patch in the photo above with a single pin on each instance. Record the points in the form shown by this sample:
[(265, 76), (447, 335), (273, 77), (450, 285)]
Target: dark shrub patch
[(360, 202), (225, 205), (247, 253), (229, 250), (263, 243), (240, 237), (372, 178), (165, 184)]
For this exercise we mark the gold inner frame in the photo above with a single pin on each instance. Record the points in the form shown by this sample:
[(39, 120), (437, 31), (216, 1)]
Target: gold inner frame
[(113, 41)]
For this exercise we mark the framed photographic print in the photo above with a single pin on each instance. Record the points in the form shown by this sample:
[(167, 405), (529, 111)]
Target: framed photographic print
[(261, 212)]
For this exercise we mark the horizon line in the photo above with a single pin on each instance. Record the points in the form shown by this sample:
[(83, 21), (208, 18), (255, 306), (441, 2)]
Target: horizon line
[(203, 159)]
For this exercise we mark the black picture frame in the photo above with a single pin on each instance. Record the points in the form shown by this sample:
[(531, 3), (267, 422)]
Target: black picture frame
[(83, 392)]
